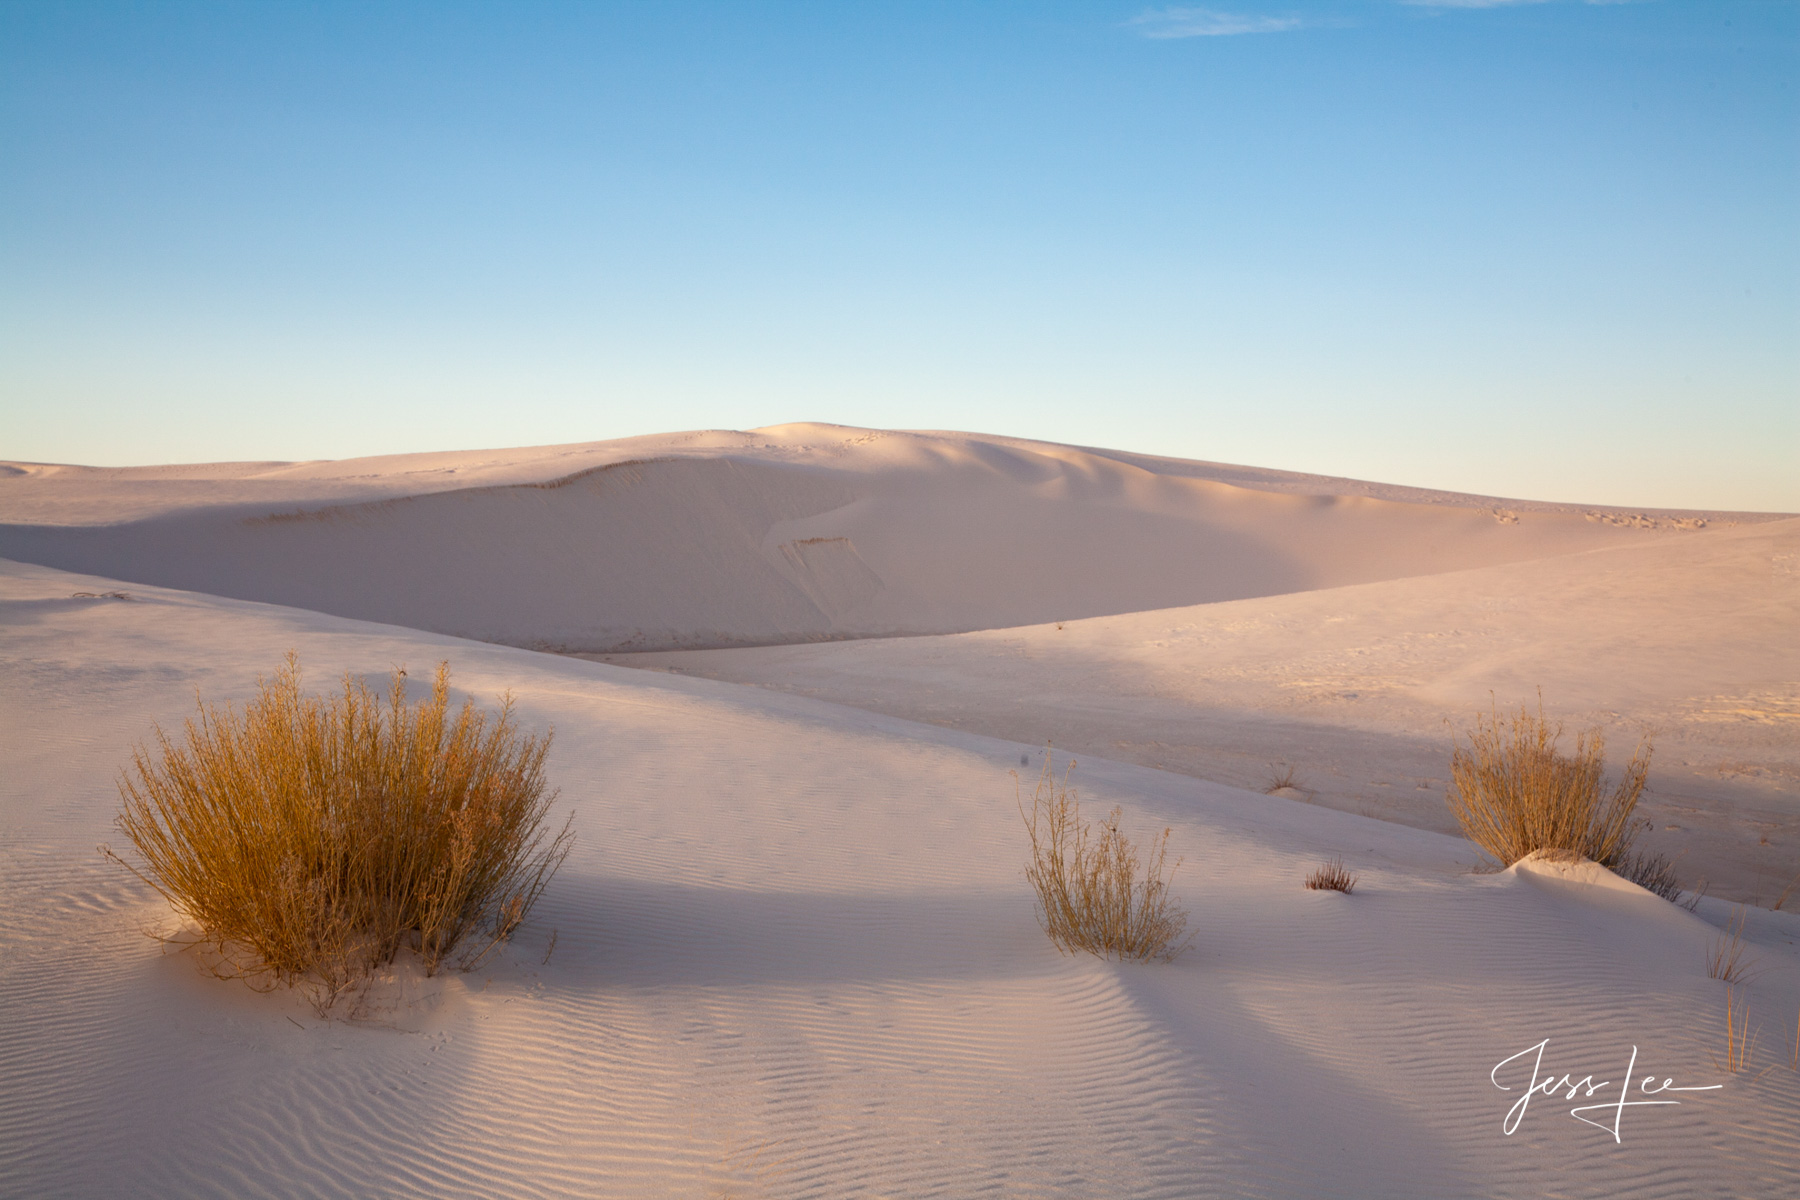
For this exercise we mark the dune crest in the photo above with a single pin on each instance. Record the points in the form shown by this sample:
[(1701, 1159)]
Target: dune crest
[(790, 534)]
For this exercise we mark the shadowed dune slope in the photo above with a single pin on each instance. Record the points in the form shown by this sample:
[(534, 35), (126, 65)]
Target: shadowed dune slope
[(791, 534)]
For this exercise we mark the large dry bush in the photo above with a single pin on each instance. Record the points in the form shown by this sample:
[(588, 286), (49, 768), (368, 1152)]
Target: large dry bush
[(1514, 791), (1093, 892), (310, 838)]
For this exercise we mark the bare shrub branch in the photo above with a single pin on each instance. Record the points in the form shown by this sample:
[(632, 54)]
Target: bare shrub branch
[(1652, 872)]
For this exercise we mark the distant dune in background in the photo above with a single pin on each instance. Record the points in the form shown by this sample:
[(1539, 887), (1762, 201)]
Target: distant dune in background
[(791, 534)]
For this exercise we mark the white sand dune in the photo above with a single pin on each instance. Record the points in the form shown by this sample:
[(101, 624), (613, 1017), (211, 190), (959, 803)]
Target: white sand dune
[(1694, 640), (795, 957), (797, 533), (793, 953)]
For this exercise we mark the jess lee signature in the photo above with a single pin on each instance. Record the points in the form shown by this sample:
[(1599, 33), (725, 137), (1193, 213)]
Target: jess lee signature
[(1585, 1088)]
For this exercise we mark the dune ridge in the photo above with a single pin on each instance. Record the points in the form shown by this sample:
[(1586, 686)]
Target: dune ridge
[(791, 534)]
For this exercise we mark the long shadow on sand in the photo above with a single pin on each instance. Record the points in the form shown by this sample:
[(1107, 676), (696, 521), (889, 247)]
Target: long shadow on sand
[(637, 934)]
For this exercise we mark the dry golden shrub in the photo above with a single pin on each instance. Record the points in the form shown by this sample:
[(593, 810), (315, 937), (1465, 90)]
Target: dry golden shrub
[(310, 838), (1093, 892), (1514, 791)]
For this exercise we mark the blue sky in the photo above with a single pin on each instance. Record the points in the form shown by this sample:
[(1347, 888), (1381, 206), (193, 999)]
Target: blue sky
[(1533, 249)]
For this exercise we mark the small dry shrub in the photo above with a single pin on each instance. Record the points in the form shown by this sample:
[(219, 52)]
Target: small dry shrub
[(1093, 892), (310, 838), (1514, 791), (1332, 877)]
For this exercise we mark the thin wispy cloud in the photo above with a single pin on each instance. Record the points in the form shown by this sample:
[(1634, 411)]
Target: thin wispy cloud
[(1206, 22), (1468, 3), (1495, 3)]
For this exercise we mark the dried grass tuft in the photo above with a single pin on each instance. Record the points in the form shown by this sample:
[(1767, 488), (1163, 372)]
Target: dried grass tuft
[(1740, 1041), (1332, 877), (1513, 791), (311, 838), (1281, 778), (1725, 958), (1093, 892)]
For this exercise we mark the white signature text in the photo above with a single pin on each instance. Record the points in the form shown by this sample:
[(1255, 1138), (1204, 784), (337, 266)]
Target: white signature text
[(1585, 1088)]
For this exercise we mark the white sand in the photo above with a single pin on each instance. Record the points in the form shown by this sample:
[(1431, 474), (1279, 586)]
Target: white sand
[(789, 534), (794, 954), (1693, 640)]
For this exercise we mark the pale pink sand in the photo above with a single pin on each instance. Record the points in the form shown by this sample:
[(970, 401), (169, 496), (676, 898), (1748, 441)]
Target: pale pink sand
[(797, 533), (795, 955), (1695, 640)]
